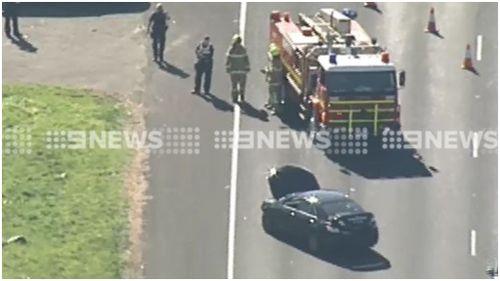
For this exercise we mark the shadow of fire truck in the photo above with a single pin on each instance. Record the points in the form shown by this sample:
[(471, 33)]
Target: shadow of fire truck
[(380, 161)]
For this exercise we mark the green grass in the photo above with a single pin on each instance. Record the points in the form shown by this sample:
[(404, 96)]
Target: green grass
[(69, 204)]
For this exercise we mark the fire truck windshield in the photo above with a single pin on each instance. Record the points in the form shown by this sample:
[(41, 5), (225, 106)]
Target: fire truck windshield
[(357, 83)]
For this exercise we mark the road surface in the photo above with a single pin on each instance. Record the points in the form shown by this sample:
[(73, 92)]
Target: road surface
[(427, 207)]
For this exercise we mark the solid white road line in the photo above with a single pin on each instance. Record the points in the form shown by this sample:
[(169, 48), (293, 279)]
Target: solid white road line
[(473, 243), (479, 47), (243, 20), (234, 166), (475, 145)]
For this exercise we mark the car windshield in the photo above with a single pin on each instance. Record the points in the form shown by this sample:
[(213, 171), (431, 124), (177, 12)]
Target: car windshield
[(361, 83), (339, 207)]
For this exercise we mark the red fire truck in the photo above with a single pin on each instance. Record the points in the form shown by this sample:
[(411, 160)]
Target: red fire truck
[(336, 75)]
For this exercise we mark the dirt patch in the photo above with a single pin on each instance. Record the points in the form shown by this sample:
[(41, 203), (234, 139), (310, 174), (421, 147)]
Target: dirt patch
[(136, 184)]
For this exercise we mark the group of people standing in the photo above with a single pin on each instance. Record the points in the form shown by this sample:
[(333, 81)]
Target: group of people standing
[(237, 62)]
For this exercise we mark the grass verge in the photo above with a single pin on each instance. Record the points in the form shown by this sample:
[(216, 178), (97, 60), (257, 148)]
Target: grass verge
[(69, 204)]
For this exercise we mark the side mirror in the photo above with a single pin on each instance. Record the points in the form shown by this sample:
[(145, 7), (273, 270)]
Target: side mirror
[(292, 213), (402, 78)]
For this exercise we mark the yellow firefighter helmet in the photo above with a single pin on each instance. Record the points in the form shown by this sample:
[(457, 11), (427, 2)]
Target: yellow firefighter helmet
[(236, 39)]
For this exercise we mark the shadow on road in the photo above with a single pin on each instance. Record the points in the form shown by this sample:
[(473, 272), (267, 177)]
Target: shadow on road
[(378, 163), (218, 103), (251, 111), (79, 9), (292, 121), (376, 9), (437, 34), (23, 44), (172, 69), (381, 163), (352, 259)]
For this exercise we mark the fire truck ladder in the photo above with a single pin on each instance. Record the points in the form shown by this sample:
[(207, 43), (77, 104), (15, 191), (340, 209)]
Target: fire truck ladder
[(319, 26)]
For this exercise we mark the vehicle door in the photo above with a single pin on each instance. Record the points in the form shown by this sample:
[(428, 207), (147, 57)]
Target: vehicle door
[(302, 217)]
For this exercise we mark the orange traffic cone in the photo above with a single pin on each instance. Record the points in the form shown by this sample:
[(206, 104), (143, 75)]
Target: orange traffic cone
[(467, 64), (431, 24)]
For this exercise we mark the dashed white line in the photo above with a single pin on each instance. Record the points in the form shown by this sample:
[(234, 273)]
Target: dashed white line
[(479, 47), (234, 165), (473, 243), (475, 145)]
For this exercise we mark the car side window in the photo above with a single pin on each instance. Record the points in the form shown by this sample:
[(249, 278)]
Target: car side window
[(292, 203), (303, 206)]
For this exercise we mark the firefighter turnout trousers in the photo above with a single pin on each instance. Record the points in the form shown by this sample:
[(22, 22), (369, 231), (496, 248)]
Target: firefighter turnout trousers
[(238, 82)]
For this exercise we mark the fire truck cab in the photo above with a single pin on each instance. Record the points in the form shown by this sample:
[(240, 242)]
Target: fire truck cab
[(337, 74)]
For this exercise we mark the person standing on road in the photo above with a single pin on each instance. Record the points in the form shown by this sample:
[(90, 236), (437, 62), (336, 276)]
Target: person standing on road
[(10, 12), (274, 77), (203, 66), (237, 65), (157, 28)]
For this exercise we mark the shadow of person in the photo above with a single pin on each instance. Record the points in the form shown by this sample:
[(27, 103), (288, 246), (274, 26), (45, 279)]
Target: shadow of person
[(79, 9), (437, 34), (22, 43), (172, 69), (251, 111), (218, 103)]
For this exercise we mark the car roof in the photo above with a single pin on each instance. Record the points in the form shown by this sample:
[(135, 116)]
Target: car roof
[(331, 202), (324, 195)]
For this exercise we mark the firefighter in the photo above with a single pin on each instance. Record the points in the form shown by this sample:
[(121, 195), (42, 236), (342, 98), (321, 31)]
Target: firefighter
[(274, 75), (237, 65), (203, 66), (159, 23)]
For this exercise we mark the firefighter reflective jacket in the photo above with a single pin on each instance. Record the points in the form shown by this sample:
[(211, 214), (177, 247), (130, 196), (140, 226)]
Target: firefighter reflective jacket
[(274, 72), (237, 60)]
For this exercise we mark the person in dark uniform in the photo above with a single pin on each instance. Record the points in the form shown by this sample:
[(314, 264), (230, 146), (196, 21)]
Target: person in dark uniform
[(203, 66), (10, 12), (157, 27)]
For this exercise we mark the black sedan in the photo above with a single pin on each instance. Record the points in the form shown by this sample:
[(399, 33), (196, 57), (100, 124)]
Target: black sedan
[(325, 218)]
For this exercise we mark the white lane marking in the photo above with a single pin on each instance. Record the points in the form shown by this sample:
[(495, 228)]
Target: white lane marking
[(473, 243), (479, 47), (232, 194), (234, 165), (475, 145), (243, 20)]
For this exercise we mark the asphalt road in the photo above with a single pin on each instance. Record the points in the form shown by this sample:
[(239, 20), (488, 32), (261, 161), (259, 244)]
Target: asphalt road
[(426, 207)]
